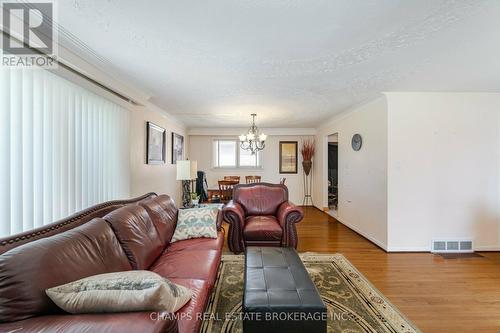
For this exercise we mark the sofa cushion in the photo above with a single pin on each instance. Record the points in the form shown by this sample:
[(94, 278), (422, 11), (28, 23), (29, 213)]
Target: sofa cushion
[(195, 264), (196, 223), (262, 228), (199, 244), (189, 319), (163, 213), (144, 322), (120, 292), (26, 271), (137, 235)]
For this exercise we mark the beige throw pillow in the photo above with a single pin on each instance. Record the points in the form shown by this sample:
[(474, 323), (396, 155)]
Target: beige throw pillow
[(120, 292), (196, 223)]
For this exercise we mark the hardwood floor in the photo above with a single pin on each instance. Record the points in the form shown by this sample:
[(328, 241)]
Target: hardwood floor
[(436, 294)]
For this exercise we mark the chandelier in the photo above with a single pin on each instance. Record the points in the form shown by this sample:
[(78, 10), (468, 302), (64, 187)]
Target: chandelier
[(254, 140)]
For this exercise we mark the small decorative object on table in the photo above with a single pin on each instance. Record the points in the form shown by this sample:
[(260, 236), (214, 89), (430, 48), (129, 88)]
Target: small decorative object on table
[(307, 150), (195, 199)]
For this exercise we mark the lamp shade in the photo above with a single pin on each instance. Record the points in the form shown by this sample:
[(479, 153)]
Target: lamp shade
[(187, 170)]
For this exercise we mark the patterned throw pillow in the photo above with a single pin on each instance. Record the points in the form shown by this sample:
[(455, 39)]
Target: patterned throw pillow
[(196, 223), (120, 292)]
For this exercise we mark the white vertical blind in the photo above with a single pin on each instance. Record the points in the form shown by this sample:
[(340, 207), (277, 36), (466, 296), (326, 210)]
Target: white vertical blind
[(62, 149)]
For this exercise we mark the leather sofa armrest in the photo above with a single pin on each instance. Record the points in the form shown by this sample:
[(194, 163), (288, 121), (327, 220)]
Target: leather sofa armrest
[(220, 219), (234, 214), (288, 214)]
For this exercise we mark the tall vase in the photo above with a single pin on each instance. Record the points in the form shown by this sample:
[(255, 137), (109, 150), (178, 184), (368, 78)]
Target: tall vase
[(307, 165)]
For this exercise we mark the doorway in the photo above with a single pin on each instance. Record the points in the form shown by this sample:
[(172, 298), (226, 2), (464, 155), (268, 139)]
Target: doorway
[(333, 173)]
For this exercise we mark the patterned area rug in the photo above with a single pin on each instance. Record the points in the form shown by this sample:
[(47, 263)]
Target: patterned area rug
[(354, 304)]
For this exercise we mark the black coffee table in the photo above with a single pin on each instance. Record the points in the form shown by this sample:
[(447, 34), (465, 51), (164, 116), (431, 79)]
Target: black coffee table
[(279, 295)]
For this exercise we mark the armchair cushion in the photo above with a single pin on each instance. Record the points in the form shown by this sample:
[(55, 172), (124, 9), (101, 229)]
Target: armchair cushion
[(262, 228), (260, 198)]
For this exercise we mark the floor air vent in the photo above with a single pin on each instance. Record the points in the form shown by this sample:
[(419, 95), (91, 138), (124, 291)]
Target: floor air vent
[(453, 246)]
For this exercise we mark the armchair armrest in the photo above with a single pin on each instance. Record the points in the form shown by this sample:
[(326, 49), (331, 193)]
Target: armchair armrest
[(220, 219), (288, 214), (234, 214)]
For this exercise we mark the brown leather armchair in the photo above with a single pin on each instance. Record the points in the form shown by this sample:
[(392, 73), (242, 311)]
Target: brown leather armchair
[(261, 215)]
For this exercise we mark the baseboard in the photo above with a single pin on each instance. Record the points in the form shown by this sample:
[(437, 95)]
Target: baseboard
[(495, 248), (408, 249), (427, 249), (356, 230)]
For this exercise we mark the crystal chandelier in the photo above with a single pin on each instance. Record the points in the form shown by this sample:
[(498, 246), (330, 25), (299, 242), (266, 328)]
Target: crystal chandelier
[(253, 140)]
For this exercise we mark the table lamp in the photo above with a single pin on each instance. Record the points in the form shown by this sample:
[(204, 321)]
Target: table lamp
[(187, 172)]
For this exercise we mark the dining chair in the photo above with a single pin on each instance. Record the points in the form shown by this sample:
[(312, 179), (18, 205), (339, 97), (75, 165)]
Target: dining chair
[(233, 178), (226, 190), (252, 179)]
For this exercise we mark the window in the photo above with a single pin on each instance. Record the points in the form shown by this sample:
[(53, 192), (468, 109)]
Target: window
[(228, 154), (247, 160), (62, 149), (225, 153)]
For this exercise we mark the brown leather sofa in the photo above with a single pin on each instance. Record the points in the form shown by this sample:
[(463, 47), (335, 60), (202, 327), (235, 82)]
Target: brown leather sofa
[(113, 236), (261, 215)]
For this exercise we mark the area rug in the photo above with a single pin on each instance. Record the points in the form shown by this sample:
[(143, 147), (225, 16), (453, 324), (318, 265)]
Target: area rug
[(354, 304)]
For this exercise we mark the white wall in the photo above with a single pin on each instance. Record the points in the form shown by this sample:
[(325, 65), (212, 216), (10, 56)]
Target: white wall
[(147, 177), (362, 187), (144, 178), (200, 149), (443, 173)]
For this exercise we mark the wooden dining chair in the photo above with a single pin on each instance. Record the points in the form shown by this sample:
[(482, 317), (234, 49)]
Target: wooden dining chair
[(233, 178), (226, 190), (252, 179)]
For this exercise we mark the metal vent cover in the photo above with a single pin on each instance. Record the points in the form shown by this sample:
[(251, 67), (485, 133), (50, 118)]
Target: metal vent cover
[(439, 246), (466, 245), (452, 245)]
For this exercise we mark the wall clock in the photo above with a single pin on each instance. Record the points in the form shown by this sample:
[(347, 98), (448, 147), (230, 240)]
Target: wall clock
[(356, 142)]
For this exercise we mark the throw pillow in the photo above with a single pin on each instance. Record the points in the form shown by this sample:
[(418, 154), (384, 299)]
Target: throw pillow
[(120, 292), (196, 223)]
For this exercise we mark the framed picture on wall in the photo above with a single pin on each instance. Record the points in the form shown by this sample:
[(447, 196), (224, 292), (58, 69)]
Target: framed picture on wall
[(156, 138), (177, 147), (288, 156)]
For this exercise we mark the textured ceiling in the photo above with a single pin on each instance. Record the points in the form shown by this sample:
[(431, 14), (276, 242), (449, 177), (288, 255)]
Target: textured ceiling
[(295, 63)]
